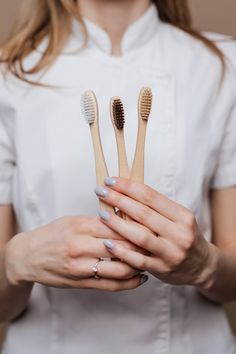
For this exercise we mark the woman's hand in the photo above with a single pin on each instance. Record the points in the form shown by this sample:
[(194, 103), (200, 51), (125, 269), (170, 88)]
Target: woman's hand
[(178, 252), (61, 254)]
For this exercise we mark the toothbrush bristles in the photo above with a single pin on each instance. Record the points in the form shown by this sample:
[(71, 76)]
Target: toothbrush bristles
[(88, 106), (145, 102), (118, 113)]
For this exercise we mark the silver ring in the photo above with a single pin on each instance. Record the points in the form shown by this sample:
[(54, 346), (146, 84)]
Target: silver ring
[(95, 269)]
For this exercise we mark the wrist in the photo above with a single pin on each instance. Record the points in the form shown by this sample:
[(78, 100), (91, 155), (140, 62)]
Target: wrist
[(208, 274), (14, 258)]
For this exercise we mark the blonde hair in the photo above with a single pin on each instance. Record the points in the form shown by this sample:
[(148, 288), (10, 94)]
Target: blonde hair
[(39, 19)]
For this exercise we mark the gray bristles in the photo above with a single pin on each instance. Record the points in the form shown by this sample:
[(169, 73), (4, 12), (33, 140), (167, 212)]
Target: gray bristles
[(88, 107), (145, 103), (118, 113)]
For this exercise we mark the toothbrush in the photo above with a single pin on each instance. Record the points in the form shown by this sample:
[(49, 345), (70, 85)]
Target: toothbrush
[(118, 122), (90, 112), (144, 111)]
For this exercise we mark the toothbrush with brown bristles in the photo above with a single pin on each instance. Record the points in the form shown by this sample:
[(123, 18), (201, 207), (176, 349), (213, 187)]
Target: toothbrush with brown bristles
[(144, 110), (118, 122), (90, 111)]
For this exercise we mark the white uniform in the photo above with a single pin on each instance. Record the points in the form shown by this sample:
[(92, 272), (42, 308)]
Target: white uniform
[(47, 171)]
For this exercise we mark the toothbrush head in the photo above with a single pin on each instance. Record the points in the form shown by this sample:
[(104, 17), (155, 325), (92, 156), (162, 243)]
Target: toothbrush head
[(118, 115), (89, 106), (145, 102)]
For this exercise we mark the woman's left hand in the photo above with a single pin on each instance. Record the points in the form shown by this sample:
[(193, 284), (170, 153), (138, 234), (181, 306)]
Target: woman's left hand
[(177, 251)]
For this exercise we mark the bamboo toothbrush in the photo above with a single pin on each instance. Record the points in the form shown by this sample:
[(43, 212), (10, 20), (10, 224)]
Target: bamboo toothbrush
[(90, 111), (118, 122), (144, 110)]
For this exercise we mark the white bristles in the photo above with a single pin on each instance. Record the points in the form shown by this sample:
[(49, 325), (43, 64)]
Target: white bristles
[(89, 106)]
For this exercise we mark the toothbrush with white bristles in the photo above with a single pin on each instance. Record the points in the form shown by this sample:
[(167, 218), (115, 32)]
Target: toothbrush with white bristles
[(90, 111)]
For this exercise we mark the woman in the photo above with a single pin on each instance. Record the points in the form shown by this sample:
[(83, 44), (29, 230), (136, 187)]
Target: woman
[(181, 243)]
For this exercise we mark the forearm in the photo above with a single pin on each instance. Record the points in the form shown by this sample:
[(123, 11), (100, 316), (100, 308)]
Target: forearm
[(221, 286), (13, 298)]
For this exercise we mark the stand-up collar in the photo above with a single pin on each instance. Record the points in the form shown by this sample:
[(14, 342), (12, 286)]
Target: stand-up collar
[(136, 35)]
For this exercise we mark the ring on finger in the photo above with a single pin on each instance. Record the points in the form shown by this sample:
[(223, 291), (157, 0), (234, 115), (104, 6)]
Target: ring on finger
[(95, 269)]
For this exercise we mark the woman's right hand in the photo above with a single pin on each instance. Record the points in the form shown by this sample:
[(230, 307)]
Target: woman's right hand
[(62, 253)]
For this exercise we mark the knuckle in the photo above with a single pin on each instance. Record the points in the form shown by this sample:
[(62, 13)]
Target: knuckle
[(74, 249), (177, 260), (188, 242), (125, 272), (118, 198), (126, 184), (130, 272), (189, 219), (142, 263), (143, 214), (166, 269), (82, 224), (144, 239), (147, 195)]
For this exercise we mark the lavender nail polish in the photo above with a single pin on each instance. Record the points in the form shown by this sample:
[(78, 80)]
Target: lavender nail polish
[(109, 244), (143, 279), (105, 215), (109, 181), (101, 191)]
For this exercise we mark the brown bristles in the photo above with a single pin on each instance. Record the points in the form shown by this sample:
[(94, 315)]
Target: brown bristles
[(145, 102), (118, 113)]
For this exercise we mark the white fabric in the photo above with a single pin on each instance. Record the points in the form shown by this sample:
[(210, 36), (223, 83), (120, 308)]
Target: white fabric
[(47, 171)]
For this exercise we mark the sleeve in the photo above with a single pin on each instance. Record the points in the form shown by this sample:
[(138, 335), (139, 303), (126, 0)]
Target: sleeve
[(7, 154), (225, 172)]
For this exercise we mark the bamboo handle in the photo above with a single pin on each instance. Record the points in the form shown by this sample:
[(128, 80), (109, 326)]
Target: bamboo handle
[(100, 164), (120, 140), (137, 170), (122, 156)]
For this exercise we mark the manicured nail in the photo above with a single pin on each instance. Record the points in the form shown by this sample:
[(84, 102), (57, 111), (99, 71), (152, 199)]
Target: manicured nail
[(105, 215), (109, 244), (109, 181), (143, 279), (101, 191)]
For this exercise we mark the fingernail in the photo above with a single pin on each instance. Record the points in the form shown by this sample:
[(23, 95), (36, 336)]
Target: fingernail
[(109, 244), (143, 279), (109, 181), (101, 191), (105, 215)]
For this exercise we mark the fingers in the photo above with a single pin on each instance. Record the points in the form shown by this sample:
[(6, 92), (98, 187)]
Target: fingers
[(83, 268), (139, 212), (110, 285), (105, 284), (134, 259), (93, 226), (148, 196), (167, 251), (135, 233), (156, 266), (88, 246), (85, 246)]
